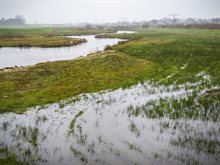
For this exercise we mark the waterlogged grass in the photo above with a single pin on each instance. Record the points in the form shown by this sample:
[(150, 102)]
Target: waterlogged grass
[(50, 82), (11, 160), (39, 42), (155, 114), (209, 97), (6, 158), (179, 56), (200, 144), (72, 124), (175, 109), (78, 154), (165, 56), (29, 134)]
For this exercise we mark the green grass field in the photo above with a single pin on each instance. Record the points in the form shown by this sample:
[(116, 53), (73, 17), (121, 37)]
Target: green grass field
[(21, 32), (167, 56)]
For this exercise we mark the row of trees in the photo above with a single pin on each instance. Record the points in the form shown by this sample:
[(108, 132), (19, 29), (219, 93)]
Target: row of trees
[(17, 21), (164, 22), (167, 22), (177, 21)]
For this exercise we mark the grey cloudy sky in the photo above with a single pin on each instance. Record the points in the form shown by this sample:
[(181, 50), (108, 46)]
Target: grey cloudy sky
[(74, 11)]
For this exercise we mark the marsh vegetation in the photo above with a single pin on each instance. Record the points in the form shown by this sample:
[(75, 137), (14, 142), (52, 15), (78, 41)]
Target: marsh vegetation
[(40, 42), (153, 98)]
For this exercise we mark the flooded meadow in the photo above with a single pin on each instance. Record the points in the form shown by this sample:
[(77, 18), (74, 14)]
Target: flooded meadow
[(148, 123)]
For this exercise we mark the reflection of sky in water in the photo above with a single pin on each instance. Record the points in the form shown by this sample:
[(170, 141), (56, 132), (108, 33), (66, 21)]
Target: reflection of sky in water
[(10, 57), (112, 131)]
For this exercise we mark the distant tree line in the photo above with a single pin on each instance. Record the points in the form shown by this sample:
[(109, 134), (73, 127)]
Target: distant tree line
[(17, 21), (213, 23)]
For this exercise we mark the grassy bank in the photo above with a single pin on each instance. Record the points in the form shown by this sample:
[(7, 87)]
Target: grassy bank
[(38, 41), (51, 82), (161, 55), (43, 37)]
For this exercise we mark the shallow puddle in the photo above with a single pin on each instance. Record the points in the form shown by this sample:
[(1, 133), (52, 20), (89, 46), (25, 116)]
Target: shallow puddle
[(116, 127)]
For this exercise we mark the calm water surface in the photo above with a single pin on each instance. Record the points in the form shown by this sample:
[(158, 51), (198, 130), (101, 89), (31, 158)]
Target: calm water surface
[(113, 128), (10, 57), (120, 127)]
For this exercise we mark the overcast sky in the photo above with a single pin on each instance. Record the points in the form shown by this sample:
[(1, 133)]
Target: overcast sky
[(97, 11)]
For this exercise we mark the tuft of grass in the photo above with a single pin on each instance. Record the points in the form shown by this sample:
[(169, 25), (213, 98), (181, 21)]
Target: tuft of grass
[(79, 154), (72, 124), (7, 158), (133, 128), (34, 136)]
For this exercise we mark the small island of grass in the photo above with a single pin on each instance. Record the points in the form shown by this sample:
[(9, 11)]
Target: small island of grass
[(39, 41)]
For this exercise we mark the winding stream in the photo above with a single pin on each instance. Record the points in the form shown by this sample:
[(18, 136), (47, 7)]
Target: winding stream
[(148, 123), (10, 57)]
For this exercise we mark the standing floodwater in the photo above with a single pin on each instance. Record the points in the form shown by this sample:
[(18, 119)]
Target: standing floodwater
[(10, 57), (138, 125)]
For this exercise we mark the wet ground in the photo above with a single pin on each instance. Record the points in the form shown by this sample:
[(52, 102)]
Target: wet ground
[(147, 123)]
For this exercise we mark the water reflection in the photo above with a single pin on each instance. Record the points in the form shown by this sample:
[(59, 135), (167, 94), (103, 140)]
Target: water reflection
[(10, 57), (117, 127)]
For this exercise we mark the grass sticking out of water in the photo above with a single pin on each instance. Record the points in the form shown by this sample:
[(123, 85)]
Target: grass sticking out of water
[(167, 56), (209, 97), (133, 147), (198, 143), (34, 135), (29, 134), (79, 154), (134, 129), (6, 158), (11, 160), (72, 124)]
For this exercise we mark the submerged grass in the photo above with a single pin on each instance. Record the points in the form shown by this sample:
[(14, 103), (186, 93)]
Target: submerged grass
[(7, 158), (72, 124), (11, 160), (79, 154)]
